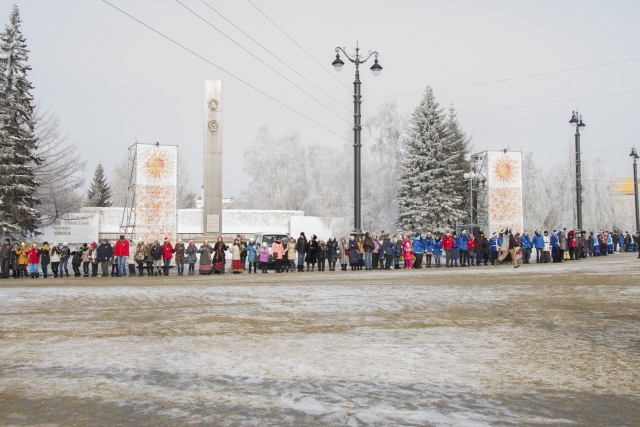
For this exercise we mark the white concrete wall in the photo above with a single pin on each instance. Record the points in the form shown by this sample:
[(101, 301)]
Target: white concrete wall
[(190, 220)]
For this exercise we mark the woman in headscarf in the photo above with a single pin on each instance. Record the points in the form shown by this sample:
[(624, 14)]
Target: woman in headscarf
[(332, 253), (236, 256), (179, 257), (353, 253), (140, 256), (322, 254), (312, 252), (343, 249), (205, 258), (192, 257), (219, 257)]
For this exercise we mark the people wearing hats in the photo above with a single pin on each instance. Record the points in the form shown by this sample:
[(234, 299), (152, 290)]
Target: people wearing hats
[(494, 246), (140, 256), (167, 255), (447, 244), (418, 250), (252, 254), (301, 248), (45, 259), (86, 259), (192, 257), (264, 257), (463, 245), (537, 242), (427, 248), (33, 255), (180, 259), (95, 262), (562, 243), (510, 243), (65, 254), (121, 252), (54, 254), (525, 244), (104, 254)]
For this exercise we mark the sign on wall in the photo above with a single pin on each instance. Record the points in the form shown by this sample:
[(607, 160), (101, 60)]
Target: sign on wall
[(505, 191), (75, 228), (156, 186)]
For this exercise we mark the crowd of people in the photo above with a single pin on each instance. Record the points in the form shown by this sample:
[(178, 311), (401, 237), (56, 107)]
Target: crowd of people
[(368, 252)]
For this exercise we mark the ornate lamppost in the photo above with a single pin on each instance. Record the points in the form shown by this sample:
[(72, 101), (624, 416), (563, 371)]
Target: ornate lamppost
[(634, 156), (576, 122), (376, 68)]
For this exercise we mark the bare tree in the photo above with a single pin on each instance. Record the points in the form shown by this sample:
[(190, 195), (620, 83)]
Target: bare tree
[(61, 173)]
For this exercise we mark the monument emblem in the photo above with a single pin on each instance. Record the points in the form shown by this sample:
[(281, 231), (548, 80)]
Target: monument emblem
[(213, 125), (213, 104)]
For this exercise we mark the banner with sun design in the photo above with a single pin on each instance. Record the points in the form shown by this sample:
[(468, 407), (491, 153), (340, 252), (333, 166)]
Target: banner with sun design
[(505, 190), (156, 192)]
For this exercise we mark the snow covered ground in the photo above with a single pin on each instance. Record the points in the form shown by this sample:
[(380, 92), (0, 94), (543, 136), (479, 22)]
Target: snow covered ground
[(541, 345)]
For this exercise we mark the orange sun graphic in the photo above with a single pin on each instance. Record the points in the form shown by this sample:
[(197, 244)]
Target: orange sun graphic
[(157, 164), (505, 169)]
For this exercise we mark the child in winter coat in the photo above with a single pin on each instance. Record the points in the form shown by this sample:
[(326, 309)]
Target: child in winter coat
[(264, 257), (407, 252)]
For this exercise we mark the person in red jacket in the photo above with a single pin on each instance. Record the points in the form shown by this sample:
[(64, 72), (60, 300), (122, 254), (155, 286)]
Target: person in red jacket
[(121, 252), (34, 259), (447, 244), (471, 247), (167, 254)]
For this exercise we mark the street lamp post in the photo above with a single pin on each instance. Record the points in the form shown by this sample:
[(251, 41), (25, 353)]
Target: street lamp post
[(474, 179), (357, 59), (634, 156), (576, 121)]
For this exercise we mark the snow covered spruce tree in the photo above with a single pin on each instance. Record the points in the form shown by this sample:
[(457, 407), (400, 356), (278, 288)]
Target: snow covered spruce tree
[(428, 199), (99, 194), (18, 213), (461, 146)]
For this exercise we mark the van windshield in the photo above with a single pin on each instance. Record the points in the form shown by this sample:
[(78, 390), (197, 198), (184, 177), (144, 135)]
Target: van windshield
[(269, 238)]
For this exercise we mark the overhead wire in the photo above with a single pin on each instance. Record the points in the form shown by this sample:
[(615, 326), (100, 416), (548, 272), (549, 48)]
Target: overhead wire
[(296, 43), (275, 56), (548, 103), (513, 78), (225, 71), (269, 66)]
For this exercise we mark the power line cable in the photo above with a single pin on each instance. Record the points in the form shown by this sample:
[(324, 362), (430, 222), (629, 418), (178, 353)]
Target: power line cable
[(548, 103), (283, 32), (269, 66), (225, 71), (513, 78), (276, 57)]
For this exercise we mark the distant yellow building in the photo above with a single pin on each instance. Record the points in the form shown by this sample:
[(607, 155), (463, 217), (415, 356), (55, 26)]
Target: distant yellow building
[(620, 186)]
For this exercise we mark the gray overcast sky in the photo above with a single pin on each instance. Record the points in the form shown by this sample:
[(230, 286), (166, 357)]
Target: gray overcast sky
[(110, 80)]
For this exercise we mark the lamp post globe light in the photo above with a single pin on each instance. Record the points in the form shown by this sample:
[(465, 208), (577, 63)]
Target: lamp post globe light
[(376, 68), (634, 156), (576, 122)]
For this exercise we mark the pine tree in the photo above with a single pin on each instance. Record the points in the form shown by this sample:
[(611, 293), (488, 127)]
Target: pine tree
[(99, 194), (427, 198), (17, 140), (461, 146)]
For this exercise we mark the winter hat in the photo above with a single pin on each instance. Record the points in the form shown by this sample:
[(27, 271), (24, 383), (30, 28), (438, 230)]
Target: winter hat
[(190, 241), (166, 239), (494, 233), (537, 231), (65, 244), (264, 244), (251, 240), (429, 234), (55, 244), (464, 230), (417, 235), (179, 240), (94, 244), (140, 240), (525, 232), (447, 233)]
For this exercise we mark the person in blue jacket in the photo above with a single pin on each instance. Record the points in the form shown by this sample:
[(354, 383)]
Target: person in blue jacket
[(538, 243), (427, 246), (387, 249), (555, 246), (437, 250), (463, 242), (494, 244), (417, 248), (525, 244)]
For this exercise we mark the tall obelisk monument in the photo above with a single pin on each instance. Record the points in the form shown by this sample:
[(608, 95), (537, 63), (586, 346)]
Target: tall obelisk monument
[(212, 170)]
